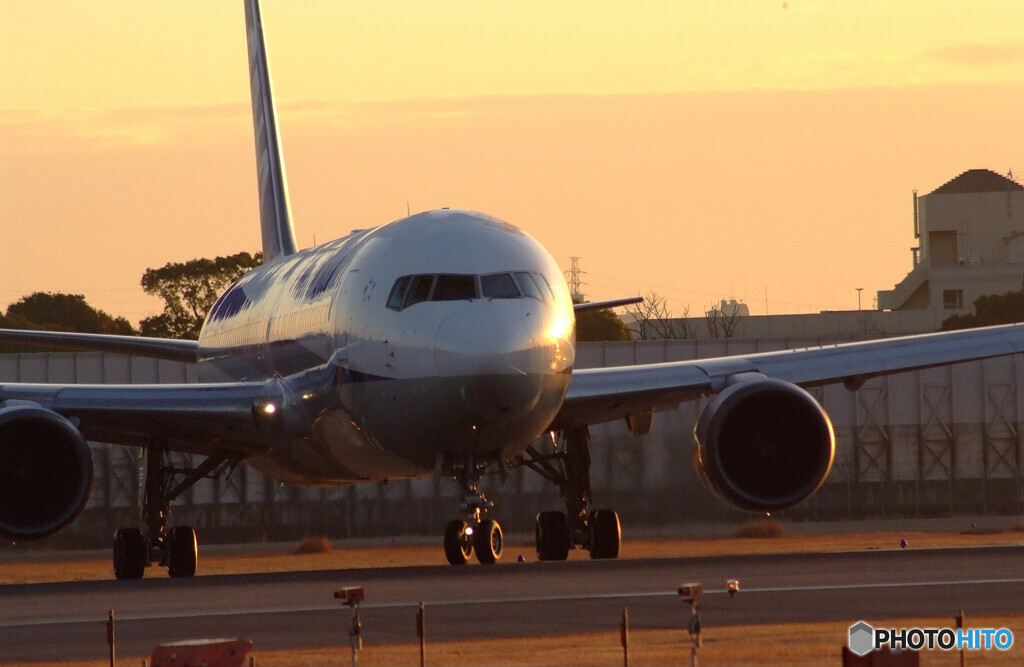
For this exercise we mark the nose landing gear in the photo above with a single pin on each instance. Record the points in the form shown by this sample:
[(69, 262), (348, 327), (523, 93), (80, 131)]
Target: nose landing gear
[(476, 532)]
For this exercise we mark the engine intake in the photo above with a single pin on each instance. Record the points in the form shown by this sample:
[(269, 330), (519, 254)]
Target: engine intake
[(45, 472), (764, 445)]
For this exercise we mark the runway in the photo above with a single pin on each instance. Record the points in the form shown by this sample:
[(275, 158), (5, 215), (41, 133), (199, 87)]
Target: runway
[(296, 610)]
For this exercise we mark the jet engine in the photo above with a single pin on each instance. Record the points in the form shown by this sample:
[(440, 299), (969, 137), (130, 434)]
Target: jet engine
[(45, 471), (763, 444)]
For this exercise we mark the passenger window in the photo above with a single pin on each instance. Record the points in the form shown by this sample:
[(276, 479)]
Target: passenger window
[(398, 293), (527, 285), (419, 290), (499, 286), (454, 288), (542, 284)]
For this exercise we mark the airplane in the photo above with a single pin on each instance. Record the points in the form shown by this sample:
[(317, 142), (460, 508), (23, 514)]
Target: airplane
[(440, 344)]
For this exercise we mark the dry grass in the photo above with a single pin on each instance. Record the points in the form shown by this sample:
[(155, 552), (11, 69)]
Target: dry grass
[(761, 529), (312, 545), (796, 644)]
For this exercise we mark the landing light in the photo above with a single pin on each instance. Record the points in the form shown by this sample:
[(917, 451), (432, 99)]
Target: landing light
[(559, 328), (269, 409), (469, 530)]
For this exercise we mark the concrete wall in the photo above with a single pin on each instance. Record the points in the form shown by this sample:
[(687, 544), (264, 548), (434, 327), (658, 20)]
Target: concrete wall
[(824, 328), (937, 442)]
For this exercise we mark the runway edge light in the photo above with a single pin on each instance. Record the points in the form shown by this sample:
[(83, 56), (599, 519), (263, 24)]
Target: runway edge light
[(691, 592)]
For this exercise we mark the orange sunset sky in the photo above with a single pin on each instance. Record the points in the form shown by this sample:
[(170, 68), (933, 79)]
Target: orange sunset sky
[(761, 150)]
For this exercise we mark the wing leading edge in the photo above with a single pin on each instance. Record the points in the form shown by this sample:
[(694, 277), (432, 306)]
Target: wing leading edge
[(154, 348), (197, 418), (604, 394)]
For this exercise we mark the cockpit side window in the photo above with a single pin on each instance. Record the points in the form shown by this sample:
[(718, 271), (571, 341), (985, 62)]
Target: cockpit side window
[(542, 284), (397, 294), (419, 290), (499, 286), (529, 287), (454, 288)]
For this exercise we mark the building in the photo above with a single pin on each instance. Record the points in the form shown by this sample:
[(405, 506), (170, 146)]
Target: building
[(971, 243)]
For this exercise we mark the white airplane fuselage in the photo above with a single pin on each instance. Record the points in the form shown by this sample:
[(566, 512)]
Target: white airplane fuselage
[(448, 333)]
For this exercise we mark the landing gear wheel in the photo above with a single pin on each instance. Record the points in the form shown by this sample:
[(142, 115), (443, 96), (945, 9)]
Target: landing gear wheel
[(457, 548), (606, 534), (130, 554), (552, 533), (182, 552), (488, 541)]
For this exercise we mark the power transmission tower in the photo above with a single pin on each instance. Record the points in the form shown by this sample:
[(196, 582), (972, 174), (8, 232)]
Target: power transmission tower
[(573, 278)]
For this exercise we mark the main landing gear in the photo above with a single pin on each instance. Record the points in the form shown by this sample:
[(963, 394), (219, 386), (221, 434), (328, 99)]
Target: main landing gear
[(476, 531), (176, 549), (568, 467)]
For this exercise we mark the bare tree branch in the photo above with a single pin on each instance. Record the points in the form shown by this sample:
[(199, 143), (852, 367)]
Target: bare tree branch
[(653, 320), (722, 321)]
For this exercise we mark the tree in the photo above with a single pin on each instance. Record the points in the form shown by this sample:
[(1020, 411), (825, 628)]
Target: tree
[(722, 322), (1005, 308), (50, 311), (653, 320), (189, 291), (599, 325)]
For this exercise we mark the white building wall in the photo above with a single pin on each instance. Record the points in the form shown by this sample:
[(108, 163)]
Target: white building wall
[(969, 242)]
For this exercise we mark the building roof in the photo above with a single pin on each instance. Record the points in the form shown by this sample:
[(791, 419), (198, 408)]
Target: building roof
[(978, 180)]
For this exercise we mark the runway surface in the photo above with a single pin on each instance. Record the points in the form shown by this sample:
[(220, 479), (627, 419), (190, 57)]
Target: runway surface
[(67, 621)]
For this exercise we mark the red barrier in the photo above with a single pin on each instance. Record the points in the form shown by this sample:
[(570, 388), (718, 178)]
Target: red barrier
[(202, 653)]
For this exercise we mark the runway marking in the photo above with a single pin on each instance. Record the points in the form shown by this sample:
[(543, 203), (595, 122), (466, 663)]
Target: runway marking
[(128, 616)]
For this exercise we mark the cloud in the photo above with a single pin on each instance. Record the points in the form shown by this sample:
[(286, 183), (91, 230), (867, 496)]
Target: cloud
[(33, 131), (981, 55)]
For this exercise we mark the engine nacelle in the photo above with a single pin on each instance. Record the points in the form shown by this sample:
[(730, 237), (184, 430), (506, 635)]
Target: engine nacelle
[(45, 472), (764, 445)]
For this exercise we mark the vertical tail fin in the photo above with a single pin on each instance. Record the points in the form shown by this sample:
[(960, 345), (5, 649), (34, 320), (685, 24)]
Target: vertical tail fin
[(275, 209)]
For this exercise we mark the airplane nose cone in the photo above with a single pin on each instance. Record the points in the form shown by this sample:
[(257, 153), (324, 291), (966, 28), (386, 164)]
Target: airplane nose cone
[(473, 343), (491, 365)]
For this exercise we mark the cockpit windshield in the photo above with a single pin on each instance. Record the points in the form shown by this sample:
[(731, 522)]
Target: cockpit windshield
[(499, 286), (410, 290)]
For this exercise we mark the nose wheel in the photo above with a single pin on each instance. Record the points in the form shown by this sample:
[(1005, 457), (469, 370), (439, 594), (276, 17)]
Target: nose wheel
[(477, 532), (458, 544), (488, 541)]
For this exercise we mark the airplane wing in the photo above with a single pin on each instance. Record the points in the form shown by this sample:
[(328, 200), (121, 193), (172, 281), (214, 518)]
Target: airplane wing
[(603, 394), (196, 418), (46, 468), (601, 305), (155, 348)]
